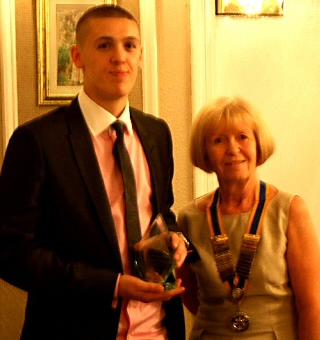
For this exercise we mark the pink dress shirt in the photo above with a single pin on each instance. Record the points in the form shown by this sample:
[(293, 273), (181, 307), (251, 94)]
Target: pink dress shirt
[(138, 320)]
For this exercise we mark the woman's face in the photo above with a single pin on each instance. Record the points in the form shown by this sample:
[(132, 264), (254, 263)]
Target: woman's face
[(232, 152)]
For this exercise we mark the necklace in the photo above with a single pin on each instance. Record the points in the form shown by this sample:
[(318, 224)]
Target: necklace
[(237, 278)]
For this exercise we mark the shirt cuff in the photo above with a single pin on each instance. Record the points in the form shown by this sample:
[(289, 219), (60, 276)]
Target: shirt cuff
[(114, 303)]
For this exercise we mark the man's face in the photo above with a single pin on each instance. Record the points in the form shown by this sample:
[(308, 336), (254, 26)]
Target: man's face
[(110, 56)]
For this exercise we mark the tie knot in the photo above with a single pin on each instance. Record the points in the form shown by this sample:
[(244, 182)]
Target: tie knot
[(119, 128)]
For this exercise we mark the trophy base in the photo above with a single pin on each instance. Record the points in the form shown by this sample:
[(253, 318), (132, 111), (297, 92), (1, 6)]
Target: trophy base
[(169, 285)]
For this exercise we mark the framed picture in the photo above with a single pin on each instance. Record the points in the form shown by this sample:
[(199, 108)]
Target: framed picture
[(58, 79), (250, 7)]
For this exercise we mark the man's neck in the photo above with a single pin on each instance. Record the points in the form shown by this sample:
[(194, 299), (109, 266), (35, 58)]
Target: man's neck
[(114, 105)]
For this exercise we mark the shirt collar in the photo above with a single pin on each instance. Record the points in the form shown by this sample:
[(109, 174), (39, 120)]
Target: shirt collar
[(97, 118)]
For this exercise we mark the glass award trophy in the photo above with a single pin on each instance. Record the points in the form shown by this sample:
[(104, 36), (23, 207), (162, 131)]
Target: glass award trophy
[(154, 254)]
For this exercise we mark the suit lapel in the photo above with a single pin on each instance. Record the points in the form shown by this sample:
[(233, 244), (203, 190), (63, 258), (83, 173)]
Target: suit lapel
[(84, 153)]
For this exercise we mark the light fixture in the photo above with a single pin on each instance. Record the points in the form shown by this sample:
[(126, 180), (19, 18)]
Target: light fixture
[(250, 7)]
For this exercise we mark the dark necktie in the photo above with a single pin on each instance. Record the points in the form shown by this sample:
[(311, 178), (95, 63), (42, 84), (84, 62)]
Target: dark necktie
[(132, 216)]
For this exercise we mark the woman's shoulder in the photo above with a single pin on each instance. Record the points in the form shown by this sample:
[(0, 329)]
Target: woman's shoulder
[(279, 200), (274, 192), (199, 204), (204, 202), (193, 215)]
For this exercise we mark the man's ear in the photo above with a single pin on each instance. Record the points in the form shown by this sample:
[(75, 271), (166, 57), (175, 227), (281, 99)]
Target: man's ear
[(75, 55), (141, 59)]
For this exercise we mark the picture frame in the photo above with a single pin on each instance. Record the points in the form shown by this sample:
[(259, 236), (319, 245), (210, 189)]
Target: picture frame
[(59, 80), (250, 7)]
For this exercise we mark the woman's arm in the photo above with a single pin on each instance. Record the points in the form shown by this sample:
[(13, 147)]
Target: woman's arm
[(189, 282), (303, 259)]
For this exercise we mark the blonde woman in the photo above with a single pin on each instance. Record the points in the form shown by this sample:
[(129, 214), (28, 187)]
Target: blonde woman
[(255, 271)]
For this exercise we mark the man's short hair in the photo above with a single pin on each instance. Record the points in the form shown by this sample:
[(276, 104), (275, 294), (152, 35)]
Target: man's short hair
[(101, 11)]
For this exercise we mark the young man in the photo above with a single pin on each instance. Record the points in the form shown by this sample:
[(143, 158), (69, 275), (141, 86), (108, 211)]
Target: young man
[(62, 209)]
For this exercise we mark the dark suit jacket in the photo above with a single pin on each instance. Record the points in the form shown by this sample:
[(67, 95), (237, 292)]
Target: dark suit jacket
[(57, 237)]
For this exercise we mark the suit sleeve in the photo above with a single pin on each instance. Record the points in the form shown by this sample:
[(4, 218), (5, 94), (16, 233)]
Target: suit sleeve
[(28, 258), (166, 190)]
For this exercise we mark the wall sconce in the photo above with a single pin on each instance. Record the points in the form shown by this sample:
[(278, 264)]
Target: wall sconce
[(250, 7)]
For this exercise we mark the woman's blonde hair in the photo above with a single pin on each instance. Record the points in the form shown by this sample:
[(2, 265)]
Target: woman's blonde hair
[(227, 112)]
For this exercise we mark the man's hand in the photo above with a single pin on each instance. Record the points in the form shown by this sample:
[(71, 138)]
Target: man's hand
[(131, 287), (157, 241), (180, 249)]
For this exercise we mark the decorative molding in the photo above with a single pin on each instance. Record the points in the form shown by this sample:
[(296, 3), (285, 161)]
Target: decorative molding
[(9, 98), (150, 88), (202, 14)]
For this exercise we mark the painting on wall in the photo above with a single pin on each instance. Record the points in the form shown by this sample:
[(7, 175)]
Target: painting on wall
[(250, 7), (58, 78)]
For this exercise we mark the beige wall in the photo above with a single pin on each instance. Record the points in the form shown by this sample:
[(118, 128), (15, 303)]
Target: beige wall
[(26, 40), (175, 88), (1, 116), (12, 301)]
